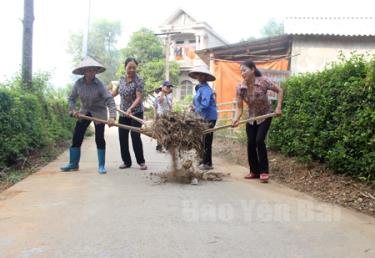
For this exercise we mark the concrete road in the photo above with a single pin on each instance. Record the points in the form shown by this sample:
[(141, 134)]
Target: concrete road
[(127, 214)]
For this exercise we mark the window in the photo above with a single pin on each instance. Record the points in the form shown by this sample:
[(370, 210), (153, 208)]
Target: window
[(186, 89), (180, 42), (192, 41)]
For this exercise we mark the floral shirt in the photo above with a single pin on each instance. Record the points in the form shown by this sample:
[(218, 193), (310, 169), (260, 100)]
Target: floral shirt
[(257, 102), (127, 91)]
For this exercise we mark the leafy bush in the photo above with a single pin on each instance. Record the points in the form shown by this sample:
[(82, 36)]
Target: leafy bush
[(183, 105), (330, 116), (30, 119)]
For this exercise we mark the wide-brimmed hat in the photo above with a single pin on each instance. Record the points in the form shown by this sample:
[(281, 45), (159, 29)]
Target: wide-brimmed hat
[(202, 70), (88, 62)]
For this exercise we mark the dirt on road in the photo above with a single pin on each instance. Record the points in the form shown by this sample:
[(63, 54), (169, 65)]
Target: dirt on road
[(312, 178)]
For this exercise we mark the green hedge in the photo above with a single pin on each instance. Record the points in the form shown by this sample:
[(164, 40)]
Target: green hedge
[(30, 120), (329, 116)]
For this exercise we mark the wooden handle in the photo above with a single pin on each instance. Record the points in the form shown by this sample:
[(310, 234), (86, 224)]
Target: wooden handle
[(131, 116), (239, 123), (128, 127)]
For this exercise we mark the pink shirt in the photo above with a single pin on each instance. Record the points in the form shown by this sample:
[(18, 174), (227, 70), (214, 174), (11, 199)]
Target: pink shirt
[(257, 102)]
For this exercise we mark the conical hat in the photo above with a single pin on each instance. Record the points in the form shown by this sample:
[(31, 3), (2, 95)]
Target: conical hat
[(88, 62), (202, 70)]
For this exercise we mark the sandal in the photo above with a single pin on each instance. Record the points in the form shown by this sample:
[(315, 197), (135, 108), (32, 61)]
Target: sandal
[(123, 166), (264, 178), (251, 175)]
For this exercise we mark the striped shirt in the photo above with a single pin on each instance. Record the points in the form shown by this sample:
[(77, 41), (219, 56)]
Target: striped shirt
[(128, 94), (94, 97)]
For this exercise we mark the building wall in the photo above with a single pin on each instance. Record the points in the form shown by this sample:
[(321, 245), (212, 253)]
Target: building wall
[(203, 39), (183, 89), (192, 36), (213, 41), (311, 53)]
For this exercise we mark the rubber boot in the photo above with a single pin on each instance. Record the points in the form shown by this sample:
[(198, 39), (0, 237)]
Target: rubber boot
[(74, 156), (101, 158)]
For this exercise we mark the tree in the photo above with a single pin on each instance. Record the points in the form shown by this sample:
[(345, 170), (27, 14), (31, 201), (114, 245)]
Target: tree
[(27, 44), (153, 73), (102, 41), (272, 28), (148, 50), (144, 46)]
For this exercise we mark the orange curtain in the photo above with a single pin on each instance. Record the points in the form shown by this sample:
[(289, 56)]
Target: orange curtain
[(281, 65), (228, 76)]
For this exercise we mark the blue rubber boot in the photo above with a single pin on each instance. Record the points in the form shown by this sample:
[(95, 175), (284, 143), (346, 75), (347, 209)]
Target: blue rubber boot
[(74, 156), (101, 158)]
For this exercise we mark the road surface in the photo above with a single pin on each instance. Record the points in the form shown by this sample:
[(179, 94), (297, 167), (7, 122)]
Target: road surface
[(127, 213)]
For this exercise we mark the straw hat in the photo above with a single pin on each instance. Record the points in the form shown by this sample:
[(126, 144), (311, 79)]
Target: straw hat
[(202, 70), (88, 62)]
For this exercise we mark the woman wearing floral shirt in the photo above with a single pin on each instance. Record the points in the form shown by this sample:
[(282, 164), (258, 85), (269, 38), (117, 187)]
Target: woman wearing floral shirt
[(253, 91), (131, 88)]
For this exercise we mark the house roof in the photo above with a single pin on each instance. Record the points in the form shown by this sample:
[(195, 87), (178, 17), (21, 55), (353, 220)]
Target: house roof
[(338, 26), (258, 50), (197, 24), (175, 15)]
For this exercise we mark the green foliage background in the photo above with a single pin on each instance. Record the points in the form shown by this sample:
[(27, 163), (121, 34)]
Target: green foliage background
[(147, 49), (329, 116), (102, 40), (31, 119)]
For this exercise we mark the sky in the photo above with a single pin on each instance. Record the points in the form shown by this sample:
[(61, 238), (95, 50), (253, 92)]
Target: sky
[(56, 19)]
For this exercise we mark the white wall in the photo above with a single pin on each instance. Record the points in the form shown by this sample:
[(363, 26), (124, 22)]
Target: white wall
[(313, 53), (213, 41)]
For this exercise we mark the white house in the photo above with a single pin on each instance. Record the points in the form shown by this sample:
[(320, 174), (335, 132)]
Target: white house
[(318, 41), (185, 35)]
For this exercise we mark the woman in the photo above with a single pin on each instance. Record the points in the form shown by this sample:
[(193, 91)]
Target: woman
[(95, 99), (253, 91), (130, 88), (205, 105)]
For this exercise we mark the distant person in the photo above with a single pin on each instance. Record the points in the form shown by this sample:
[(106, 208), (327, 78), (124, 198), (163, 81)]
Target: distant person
[(205, 105), (95, 99), (163, 104), (253, 91), (131, 88)]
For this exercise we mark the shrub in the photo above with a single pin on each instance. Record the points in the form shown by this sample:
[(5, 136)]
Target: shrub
[(330, 116), (30, 119)]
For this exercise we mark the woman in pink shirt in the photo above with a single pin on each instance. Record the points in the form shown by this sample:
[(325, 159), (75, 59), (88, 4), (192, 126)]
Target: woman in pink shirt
[(253, 91)]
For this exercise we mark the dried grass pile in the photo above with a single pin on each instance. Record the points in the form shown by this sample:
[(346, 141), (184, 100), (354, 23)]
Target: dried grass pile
[(182, 135), (180, 132)]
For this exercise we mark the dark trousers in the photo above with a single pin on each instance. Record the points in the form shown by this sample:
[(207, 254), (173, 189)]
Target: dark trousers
[(80, 129), (256, 147), (136, 140), (208, 138)]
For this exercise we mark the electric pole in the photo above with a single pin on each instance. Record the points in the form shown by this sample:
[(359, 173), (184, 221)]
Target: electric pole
[(167, 50), (85, 39), (27, 44)]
